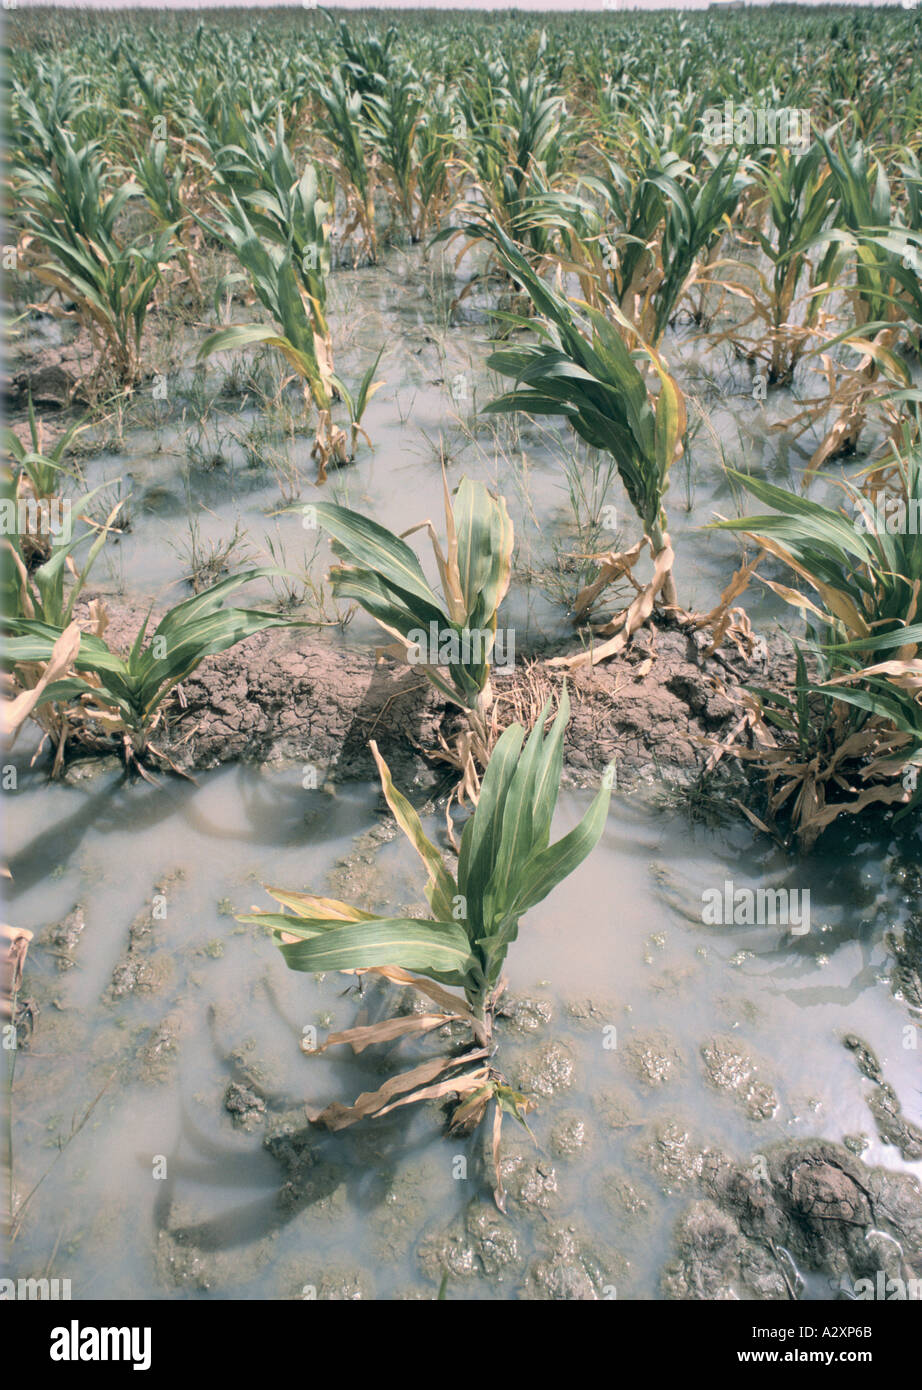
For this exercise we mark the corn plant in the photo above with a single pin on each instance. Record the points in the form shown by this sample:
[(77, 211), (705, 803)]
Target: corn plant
[(866, 571), (506, 865), (124, 695), (536, 127), (38, 480), (302, 336), (885, 292), (695, 220), (865, 204), (44, 592), (449, 637), (639, 236), (582, 370), (219, 129), (357, 403), (70, 214), (284, 207), (518, 137), (342, 123), (368, 61), (610, 237), (162, 187), (435, 155), (847, 736), (44, 109), (796, 198), (164, 178), (152, 88), (395, 116)]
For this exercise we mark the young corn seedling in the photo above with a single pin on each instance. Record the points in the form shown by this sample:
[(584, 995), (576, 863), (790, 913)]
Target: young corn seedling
[(435, 159), (69, 215), (395, 117), (43, 594), (358, 403), (640, 238), (610, 238), (283, 207), (583, 371), (124, 696), (367, 59), (886, 296), (51, 104), (449, 637), (288, 212), (164, 177), (506, 866), (302, 336), (518, 139), (37, 484), (796, 198), (696, 218), (866, 571), (342, 123)]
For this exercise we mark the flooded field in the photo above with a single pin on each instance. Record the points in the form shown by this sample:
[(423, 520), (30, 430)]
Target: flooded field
[(648, 1038), (704, 1043)]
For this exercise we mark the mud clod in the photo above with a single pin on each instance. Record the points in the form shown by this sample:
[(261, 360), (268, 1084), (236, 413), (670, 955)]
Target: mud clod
[(525, 1014), (731, 1068), (65, 937), (139, 971), (884, 1104), (574, 1268), (245, 1106), (280, 696), (653, 1058), (818, 1203), (569, 1137), (544, 1071)]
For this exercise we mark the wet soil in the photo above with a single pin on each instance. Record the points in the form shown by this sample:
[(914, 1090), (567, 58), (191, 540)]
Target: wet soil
[(297, 696), (808, 1206)]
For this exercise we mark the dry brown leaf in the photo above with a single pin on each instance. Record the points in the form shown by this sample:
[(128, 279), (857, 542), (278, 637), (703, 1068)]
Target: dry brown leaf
[(13, 713), (634, 618), (810, 829), (614, 564), (432, 991), (337, 1116), (455, 1085), (366, 1034)]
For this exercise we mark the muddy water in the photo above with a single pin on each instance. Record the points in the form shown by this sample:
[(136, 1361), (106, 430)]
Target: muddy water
[(643, 1035), (160, 1102), (235, 465)]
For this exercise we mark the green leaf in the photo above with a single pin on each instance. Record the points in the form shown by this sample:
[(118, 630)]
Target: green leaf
[(441, 888), (439, 950)]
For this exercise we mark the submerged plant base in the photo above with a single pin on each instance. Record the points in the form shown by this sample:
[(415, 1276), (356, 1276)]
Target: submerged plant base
[(330, 446), (467, 1079)]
